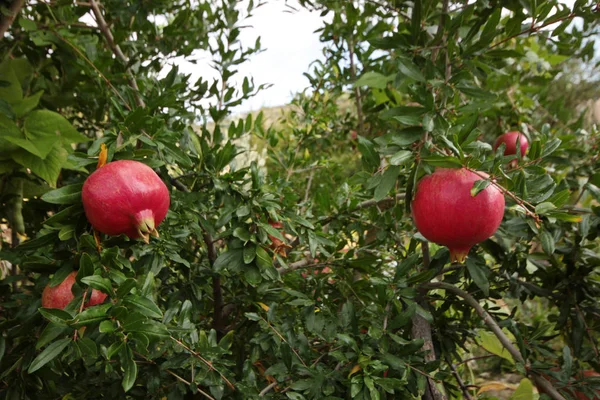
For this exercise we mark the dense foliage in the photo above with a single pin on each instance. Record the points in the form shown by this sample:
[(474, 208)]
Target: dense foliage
[(304, 278)]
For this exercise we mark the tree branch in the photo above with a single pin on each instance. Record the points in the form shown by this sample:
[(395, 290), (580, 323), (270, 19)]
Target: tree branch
[(7, 21), (359, 113), (532, 29), (421, 329), (116, 50), (366, 204), (539, 380)]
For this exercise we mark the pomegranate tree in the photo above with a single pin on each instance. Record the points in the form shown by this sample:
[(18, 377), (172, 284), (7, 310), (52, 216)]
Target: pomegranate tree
[(511, 139), (60, 295), (445, 211), (125, 197)]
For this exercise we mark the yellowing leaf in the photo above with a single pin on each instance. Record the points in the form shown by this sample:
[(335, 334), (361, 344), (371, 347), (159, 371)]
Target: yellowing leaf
[(263, 306), (354, 370), (496, 386)]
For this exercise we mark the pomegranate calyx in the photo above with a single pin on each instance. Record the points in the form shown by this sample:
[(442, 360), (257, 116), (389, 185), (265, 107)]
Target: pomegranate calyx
[(459, 255), (144, 223)]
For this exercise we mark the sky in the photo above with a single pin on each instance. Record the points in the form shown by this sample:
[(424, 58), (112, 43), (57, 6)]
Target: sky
[(290, 44)]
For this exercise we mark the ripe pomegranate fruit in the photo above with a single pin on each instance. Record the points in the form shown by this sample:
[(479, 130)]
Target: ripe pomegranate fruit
[(125, 197), (60, 295), (446, 213), (511, 139)]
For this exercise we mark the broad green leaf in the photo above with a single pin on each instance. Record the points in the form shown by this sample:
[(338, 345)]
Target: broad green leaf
[(370, 157), (88, 347), (70, 194), (408, 68), (56, 315), (373, 80), (387, 182), (249, 253), (442, 161), (129, 368), (232, 260), (547, 242), (402, 157), (524, 391), (92, 315), (51, 332), (479, 186), (45, 123), (13, 92), (8, 129), (98, 282), (49, 354), (49, 168), (479, 274), (491, 343), (143, 305), (28, 104)]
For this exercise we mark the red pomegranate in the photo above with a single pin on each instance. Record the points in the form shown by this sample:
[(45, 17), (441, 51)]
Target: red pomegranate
[(446, 213), (60, 295), (125, 197), (511, 139)]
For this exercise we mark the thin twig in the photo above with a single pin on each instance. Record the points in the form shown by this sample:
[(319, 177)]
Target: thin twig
[(366, 204), (117, 51), (306, 262), (9, 18), (268, 389), (285, 341), (80, 310), (460, 382), (531, 30), (204, 360), (359, 113), (539, 380)]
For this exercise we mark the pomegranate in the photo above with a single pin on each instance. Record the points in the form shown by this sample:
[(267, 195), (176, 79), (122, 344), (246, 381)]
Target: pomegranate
[(125, 197), (446, 213), (511, 139), (60, 295)]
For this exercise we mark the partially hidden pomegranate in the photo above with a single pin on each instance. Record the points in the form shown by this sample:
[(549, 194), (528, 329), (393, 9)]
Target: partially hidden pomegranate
[(511, 139), (446, 213), (125, 197), (60, 295)]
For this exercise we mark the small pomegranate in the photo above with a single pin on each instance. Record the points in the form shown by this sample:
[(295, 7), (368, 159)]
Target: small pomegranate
[(60, 295), (125, 197), (511, 139), (446, 213)]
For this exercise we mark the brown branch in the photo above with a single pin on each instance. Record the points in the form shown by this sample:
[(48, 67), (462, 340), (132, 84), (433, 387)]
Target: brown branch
[(284, 340), (531, 30), (7, 21), (421, 329), (116, 50), (539, 380), (359, 113), (304, 263), (460, 382)]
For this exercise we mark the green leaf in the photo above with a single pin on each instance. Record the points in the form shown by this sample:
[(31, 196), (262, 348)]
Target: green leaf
[(263, 260), (98, 282), (44, 123), (8, 129), (136, 322), (241, 233), (143, 305), (491, 343), (56, 315), (51, 332), (88, 347), (402, 157), (49, 354), (92, 315), (129, 368), (232, 259), (442, 161), (272, 231), (373, 80), (479, 186), (107, 326), (524, 391), (249, 253), (49, 168), (387, 182), (70, 194), (408, 68), (370, 157), (26, 105), (547, 242), (12, 93), (479, 274)]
